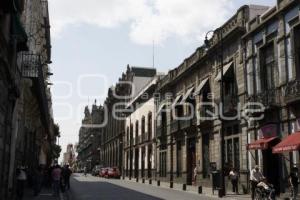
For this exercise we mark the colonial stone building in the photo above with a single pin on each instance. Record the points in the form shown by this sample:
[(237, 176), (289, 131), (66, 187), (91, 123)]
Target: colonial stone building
[(189, 125), (90, 135), (26, 120), (139, 138), (130, 83), (272, 57)]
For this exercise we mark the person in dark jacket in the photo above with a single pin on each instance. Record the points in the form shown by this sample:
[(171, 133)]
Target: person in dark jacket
[(66, 176), (294, 182)]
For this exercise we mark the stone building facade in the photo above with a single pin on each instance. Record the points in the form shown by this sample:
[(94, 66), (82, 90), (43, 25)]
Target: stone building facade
[(90, 135), (130, 83), (139, 139), (272, 57), (188, 119), (26, 119)]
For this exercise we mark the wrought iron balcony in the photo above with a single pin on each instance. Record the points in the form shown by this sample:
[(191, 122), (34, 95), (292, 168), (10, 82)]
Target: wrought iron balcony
[(185, 123), (161, 131), (292, 92), (30, 64), (204, 112), (174, 126), (267, 97), (230, 103)]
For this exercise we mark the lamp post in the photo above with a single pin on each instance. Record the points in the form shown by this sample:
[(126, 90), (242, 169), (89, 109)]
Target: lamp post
[(222, 191)]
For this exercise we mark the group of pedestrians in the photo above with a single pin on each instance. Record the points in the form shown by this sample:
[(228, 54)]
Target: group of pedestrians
[(258, 180), (56, 176), (60, 178)]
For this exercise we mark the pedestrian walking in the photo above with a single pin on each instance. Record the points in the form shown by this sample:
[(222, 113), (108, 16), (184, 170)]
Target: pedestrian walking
[(38, 180), (66, 176), (294, 182), (195, 175), (85, 171), (21, 181), (234, 177), (56, 178), (255, 177)]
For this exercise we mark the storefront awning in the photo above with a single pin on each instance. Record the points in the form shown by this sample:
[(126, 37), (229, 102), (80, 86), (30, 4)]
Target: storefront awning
[(261, 143), (200, 86), (187, 94), (177, 99), (290, 143), (225, 69)]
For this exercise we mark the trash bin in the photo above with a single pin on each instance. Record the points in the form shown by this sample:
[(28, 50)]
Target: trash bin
[(216, 180)]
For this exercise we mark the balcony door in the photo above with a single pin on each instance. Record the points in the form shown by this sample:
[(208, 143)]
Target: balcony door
[(191, 159)]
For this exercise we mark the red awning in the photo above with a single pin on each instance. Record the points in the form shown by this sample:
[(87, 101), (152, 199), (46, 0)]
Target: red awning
[(290, 143), (260, 144)]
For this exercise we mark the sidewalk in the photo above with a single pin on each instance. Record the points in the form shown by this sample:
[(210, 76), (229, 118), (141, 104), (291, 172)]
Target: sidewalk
[(46, 194), (206, 191)]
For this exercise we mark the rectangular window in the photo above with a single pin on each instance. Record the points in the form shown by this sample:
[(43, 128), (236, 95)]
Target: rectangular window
[(281, 69), (267, 61), (257, 75), (289, 58), (250, 78), (179, 159)]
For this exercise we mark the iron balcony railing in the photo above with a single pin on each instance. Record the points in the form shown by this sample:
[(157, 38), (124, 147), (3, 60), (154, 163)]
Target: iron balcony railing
[(30, 64), (174, 126), (161, 131), (267, 97), (185, 123), (292, 92), (230, 103), (206, 113)]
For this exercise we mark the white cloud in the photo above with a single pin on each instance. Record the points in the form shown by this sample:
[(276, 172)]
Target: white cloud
[(148, 19)]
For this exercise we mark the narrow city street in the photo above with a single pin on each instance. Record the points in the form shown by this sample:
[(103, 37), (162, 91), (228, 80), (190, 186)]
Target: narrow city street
[(95, 188)]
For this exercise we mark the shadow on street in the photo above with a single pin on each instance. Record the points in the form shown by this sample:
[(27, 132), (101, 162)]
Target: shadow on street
[(84, 188)]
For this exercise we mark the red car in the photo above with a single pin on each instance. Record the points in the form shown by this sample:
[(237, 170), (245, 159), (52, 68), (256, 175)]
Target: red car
[(114, 172), (103, 172)]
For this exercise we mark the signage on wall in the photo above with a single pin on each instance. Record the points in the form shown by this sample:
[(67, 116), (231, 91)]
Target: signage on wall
[(267, 131)]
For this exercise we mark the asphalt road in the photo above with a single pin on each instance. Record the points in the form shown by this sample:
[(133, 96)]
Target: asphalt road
[(95, 188)]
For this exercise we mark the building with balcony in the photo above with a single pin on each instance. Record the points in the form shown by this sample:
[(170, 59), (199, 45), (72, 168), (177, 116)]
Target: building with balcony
[(272, 57), (26, 127), (139, 139), (69, 156), (193, 96), (129, 85), (90, 135)]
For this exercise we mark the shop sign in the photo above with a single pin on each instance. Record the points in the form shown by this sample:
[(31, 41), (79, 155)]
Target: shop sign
[(268, 131)]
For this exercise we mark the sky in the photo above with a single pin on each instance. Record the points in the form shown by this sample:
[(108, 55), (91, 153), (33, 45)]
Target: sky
[(94, 40)]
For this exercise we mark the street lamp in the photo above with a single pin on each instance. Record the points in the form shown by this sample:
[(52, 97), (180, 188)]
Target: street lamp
[(222, 191)]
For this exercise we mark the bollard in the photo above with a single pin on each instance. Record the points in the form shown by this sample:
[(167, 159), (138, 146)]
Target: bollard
[(137, 180), (200, 190), (171, 184), (150, 181), (184, 187), (158, 182), (143, 180)]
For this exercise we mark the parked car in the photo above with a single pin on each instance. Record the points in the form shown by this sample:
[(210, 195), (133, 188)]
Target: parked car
[(95, 170), (103, 172), (114, 172)]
